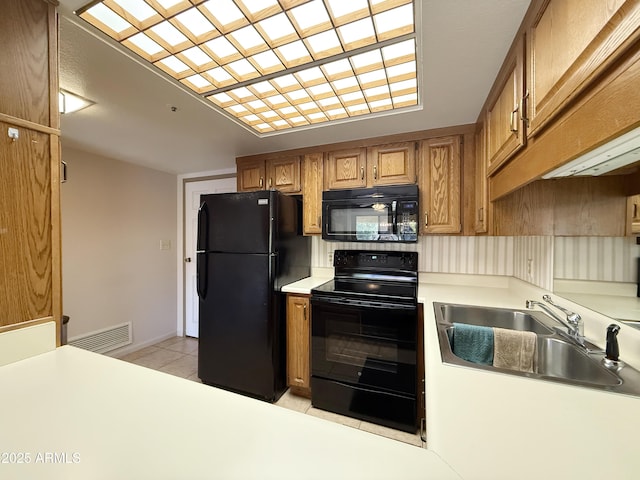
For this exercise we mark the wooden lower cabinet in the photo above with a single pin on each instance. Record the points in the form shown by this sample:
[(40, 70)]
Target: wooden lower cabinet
[(298, 344), (633, 208)]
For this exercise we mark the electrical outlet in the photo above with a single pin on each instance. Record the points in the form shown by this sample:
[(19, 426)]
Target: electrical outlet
[(330, 258), (530, 268), (165, 244)]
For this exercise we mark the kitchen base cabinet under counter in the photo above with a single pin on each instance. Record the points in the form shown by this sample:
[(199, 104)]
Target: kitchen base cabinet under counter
[(298, 341)]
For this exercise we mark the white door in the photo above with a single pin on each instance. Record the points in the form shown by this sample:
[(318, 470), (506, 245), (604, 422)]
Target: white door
[(192, 192)]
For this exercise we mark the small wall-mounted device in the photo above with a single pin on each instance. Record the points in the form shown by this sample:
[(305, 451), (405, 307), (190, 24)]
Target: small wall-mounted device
[(14, 133)]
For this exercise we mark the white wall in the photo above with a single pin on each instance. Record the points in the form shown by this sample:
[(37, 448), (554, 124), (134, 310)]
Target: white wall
[(114, 216)]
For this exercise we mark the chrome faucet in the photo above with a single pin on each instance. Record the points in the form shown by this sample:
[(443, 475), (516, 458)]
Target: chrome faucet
[(572, 322)]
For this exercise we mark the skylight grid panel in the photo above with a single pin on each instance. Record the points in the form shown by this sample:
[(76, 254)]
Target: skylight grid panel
[(224, 14), (380, 105), (108, 21), (398, 53), (145, 47), (289, 4), (346, 85), (222, 99), (377, 93), (195, 25), (263, 128), (286, 83), (174, 67), (256, 10), (197, 83), (324, 44), (373, 79), (242, 95), (353, 98), (257, 106), (219, 77), (267, 62), (299, 121), (277, 30), (297, 97), (378, 6), (404, 88), (288, 112), (242, 70), (252, 119), (308, 108), (359, 109), (405, 100), (276, 101), (403, 71), (197, 59), (222, 50), (310, 77), (357, 34), (310, 18), (169, 37), (263, 89), (293, 54), (321, 91), (367, 62), (337, 113), (168, 8), (394, 23), (136, 12), (346, 11), (329, 103), (247, 40), (337, 70), (317, 117)]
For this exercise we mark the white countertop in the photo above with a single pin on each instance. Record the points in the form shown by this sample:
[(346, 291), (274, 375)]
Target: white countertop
[(489, 425), (107, 419)]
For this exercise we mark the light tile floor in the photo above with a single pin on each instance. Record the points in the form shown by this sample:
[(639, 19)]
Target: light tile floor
[(179, 356)]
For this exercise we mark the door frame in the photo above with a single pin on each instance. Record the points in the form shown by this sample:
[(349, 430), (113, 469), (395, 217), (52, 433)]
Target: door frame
[(180, 247)]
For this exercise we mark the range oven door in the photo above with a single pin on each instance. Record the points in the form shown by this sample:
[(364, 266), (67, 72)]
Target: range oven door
[(365, 345)]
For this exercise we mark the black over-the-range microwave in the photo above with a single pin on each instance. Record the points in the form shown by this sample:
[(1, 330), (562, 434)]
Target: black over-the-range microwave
[(382, 214)]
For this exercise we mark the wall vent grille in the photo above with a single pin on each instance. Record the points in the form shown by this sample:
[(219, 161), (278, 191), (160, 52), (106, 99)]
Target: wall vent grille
[(104, 340)]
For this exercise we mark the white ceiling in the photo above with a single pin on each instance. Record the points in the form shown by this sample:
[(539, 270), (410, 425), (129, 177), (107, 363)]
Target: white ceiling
[(463, 44)]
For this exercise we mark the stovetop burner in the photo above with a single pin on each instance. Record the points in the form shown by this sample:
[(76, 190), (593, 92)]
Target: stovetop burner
[(373, 276)]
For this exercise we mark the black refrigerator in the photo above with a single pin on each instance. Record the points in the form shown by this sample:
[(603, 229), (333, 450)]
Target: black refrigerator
[(249, 246)]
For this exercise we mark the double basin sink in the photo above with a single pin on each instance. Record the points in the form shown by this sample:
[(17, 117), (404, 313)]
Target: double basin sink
[(558, 359)]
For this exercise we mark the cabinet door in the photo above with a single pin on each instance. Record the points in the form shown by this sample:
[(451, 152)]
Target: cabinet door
[(26, 278), (570, 43), (251, 175), (346, 169), (504, 123), (481, 212), (284, 174), (633, 204), (392, 164), (312, 193), (439, 184), (298, 339)]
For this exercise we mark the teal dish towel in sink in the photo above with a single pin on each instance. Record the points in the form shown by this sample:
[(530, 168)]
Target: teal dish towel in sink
[(473, 343)]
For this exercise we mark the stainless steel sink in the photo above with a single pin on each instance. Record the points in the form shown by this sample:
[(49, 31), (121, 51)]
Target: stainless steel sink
[(558, 359), (494, 317)]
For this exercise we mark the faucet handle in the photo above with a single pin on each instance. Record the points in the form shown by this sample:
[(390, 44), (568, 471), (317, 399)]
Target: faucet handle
[(612, 350)]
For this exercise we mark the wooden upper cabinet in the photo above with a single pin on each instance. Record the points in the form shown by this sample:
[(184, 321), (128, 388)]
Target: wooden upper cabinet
[(312, 193), (392, 164), (439, 185), (251, 175), (504, 116), (346, 169), (570, 42), (28, 83), (481, 197), (281, 174)]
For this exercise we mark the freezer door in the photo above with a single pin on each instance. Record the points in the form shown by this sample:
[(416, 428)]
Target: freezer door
[(240, 331), (237, 222)]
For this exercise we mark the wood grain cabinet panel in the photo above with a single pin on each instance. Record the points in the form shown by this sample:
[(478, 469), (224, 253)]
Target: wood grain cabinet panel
[(346, 169), (439, 185), (633, 208), (281, 174), (312, 193), (570, 43), (26, 276), (251, 175), (504, 122), (298, 344), (25, 88), (392, 164), (481, 182)]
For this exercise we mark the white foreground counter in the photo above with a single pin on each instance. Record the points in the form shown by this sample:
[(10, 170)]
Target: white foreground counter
[(78, 415)]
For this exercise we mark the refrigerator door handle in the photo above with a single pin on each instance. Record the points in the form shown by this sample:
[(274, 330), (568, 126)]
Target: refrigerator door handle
[(202, 276), (203, 228)]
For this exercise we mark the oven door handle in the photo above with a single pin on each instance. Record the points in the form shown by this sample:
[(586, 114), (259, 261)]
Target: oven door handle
[(363, 303)]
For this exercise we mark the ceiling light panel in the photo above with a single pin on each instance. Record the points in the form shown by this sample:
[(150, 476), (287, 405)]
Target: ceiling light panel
[(275, 64)]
